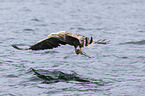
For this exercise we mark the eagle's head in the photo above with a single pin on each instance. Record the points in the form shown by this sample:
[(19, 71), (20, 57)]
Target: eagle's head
[(52, 35)]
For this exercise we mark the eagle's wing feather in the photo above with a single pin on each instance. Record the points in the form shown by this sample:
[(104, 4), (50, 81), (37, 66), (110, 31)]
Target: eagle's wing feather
[(48, 43), (71, 40)]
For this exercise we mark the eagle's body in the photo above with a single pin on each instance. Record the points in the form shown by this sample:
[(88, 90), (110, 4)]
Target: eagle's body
[(61, 38)]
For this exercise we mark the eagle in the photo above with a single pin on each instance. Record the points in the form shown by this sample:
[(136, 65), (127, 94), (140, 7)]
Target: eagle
[(62, 38)]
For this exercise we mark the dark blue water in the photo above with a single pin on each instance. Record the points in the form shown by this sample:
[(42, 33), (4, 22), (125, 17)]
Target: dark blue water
[(119, 67)]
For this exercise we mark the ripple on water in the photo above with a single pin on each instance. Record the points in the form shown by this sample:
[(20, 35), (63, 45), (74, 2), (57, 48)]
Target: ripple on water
[(28, 30), (35, 19), (82, 29), (142, 42), (56, 76)]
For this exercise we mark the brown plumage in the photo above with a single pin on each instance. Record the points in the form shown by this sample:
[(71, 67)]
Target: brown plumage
[(61, 38)]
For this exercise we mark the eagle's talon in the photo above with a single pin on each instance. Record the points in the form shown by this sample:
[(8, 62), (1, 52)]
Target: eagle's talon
[(77, 51), (81, 52)]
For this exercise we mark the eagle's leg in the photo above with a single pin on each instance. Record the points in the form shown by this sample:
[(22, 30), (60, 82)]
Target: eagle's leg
[(77, 51), (80, 51)]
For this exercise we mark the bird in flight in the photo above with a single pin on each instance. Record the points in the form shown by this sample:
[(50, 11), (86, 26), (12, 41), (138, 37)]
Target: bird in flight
[(62, 38)]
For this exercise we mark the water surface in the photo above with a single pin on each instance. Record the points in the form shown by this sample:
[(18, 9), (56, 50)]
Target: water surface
[(120, 65)]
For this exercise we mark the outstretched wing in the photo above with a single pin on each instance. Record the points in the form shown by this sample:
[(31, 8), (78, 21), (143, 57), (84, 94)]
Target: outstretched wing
[(48, 43)]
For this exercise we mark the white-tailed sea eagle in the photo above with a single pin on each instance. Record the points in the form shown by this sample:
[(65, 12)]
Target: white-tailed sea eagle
[(62, 38)]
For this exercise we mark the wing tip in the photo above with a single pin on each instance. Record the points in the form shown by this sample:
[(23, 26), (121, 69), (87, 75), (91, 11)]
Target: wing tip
[(16, 47)]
